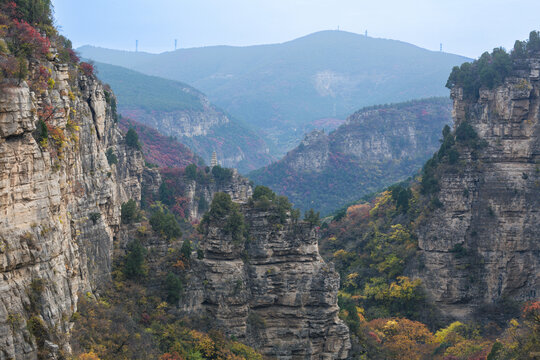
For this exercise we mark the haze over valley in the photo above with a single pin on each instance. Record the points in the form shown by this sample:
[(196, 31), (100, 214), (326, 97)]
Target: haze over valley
[(283, 91)]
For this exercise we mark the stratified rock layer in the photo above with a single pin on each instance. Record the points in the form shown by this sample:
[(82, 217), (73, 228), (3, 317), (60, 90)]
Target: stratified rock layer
[(483, 245), (238, 187), (59, 208), (274, 292)]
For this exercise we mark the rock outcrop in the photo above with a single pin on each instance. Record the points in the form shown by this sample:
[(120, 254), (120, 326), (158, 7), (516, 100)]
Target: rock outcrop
[(238, 187), (482, 246), (313, 154), (59, 205), (273, 291)]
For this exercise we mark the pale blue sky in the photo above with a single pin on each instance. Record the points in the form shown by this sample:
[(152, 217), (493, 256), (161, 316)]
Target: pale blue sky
[(465, 27)]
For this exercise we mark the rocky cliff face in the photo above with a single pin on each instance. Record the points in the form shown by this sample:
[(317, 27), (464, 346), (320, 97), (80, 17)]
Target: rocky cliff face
[(372, 149), (482, 245), (59, 205), (238, 187), (185, 123), (273, 292), (314, 153)]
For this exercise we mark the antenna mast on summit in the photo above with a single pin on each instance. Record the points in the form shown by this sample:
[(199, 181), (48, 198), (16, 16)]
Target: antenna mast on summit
[(136, 45), (175, 43), (440, 48)]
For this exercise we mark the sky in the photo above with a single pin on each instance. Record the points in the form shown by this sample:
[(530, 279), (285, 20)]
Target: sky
[(464, 27)]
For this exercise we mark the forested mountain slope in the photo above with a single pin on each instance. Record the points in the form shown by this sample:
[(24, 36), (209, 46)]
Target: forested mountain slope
[(178, 110), (375, 147)]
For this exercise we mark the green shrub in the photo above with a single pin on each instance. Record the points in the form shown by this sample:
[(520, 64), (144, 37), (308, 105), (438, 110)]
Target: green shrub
[(465, 133), (38, 329), (190, 172), (235, 225), (186, 249), (401, 196), (312, 217), (174, 287), (134, 267), (166, 194), (42, 131), (111, 156), (284, 207), (35, 11), (132, 139), (489, 71), (459, 251), (94, 216), (221, 206), (164, 223), (202, 204), (429, 183), (221, 175), (263, 192), (129, 211)]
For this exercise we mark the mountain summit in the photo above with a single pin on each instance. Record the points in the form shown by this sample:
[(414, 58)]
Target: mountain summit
[(281, 89)]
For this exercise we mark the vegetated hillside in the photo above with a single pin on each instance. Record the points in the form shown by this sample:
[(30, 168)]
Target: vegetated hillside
[(446, 266), (281, 89), (178, 110), (374, 148), (158, 149), (87, 273)]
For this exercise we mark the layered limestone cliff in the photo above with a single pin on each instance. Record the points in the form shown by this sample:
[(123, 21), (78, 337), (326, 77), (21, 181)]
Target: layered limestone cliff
[(273, 291), (199, 195), (184, 123), (482, 246), (313, 153), (59, 204)]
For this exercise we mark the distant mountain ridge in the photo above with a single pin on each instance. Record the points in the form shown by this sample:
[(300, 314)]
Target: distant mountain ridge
[(178, 110), (374, 148), (282, 89)]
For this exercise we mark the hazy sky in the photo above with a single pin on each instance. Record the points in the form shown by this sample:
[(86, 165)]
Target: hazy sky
[(466, 27)]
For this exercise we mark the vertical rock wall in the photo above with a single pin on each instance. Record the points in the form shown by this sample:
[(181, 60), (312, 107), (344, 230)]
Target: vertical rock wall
[(59, 208), (483, 245), (273, 292)]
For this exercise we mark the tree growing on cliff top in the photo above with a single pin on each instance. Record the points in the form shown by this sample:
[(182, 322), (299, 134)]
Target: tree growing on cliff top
[(489, 71), (312, 217), (223, 208)]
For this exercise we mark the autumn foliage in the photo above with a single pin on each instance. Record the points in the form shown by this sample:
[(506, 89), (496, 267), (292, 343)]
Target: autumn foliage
[(87, 69), (159, 149), (28, 40)]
